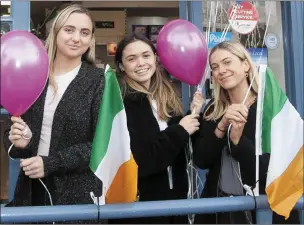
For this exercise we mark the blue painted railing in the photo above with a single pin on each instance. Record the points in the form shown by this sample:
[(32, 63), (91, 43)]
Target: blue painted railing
[(139, 209)]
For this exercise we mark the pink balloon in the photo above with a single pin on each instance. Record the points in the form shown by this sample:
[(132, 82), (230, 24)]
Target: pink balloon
[(183, 51), (24, 70)]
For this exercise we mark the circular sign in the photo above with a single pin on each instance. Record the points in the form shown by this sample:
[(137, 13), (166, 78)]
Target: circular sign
[(272, 41), (243, 17)]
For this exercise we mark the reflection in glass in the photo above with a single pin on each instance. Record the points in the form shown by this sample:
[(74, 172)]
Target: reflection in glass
[(5, 27)]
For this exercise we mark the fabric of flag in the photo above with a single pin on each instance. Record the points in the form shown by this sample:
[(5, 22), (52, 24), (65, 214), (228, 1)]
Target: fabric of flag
[(282, 136), (111, 158)]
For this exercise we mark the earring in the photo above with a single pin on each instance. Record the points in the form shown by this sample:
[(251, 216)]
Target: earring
[(246, 74)]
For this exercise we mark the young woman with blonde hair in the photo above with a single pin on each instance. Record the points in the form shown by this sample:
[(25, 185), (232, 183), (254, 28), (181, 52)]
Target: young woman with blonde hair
[(231, 166), (54, 137), (158, 130)]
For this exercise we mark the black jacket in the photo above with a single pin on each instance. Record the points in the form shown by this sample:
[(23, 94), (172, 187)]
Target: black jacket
[(154, 151), (207, 153), (67, 173)]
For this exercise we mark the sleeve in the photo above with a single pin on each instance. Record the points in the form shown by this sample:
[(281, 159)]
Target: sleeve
[(76, 157), (160, 152), (195, 135), (207, 148), (21, 153), (244, 153)]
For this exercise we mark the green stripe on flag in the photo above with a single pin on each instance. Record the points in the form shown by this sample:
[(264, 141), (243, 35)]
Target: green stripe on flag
[(111, 105), (274, 100)]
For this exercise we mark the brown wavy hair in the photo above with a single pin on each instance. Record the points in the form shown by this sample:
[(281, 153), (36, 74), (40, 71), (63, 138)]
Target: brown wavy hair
[(161, 89)]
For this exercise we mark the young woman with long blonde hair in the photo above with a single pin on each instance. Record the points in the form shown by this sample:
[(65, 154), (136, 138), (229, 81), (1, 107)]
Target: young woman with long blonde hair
[(54, 137), (230, 160)]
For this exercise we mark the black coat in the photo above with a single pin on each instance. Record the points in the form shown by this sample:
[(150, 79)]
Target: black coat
[(67, 173), (154, 151), (207, 152)]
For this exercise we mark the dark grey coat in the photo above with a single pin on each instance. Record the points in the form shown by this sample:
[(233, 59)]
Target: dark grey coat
[(67, 173)]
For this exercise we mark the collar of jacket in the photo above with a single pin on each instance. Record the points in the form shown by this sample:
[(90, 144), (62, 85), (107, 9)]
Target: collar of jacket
[(136, 96)]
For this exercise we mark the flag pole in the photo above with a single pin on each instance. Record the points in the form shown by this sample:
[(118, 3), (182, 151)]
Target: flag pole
[(258, 132)]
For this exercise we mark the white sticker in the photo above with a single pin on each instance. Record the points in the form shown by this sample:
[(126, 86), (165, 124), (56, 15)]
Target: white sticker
[(243, 17)]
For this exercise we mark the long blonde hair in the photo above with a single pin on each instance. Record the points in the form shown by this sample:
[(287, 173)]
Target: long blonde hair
[(220, 103), (161, 89), (51, 45)]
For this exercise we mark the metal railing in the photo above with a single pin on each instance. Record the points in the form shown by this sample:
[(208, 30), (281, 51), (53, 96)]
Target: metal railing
[(142, 209)]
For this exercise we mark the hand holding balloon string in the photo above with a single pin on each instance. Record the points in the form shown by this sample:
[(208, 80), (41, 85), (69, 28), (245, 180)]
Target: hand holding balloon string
[(25, 66)]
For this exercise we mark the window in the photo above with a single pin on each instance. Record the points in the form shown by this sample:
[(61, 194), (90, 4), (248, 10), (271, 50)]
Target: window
[(5, 8)]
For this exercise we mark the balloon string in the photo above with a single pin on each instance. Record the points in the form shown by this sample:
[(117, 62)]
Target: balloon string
[(227, 27), (267, 24), (209, 24), (49, 194), (214, 22), (192, 173), (199, 87)]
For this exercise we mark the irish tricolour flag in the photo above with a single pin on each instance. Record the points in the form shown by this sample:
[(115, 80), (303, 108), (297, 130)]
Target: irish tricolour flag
[(111, 157), (280, 133)]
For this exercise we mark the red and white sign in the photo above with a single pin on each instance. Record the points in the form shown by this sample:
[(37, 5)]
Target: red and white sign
[(243, 17)]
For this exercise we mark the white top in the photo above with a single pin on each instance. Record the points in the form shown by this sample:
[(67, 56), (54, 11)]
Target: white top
[(50, 106), (162, 126)]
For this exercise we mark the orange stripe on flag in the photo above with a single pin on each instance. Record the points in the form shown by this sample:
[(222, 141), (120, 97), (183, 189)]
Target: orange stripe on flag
[(284, 192), (123, 189)]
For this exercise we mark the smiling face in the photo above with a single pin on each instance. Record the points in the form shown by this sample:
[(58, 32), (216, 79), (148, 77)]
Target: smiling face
[(139, 62), (227, 69), (75, 37)]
